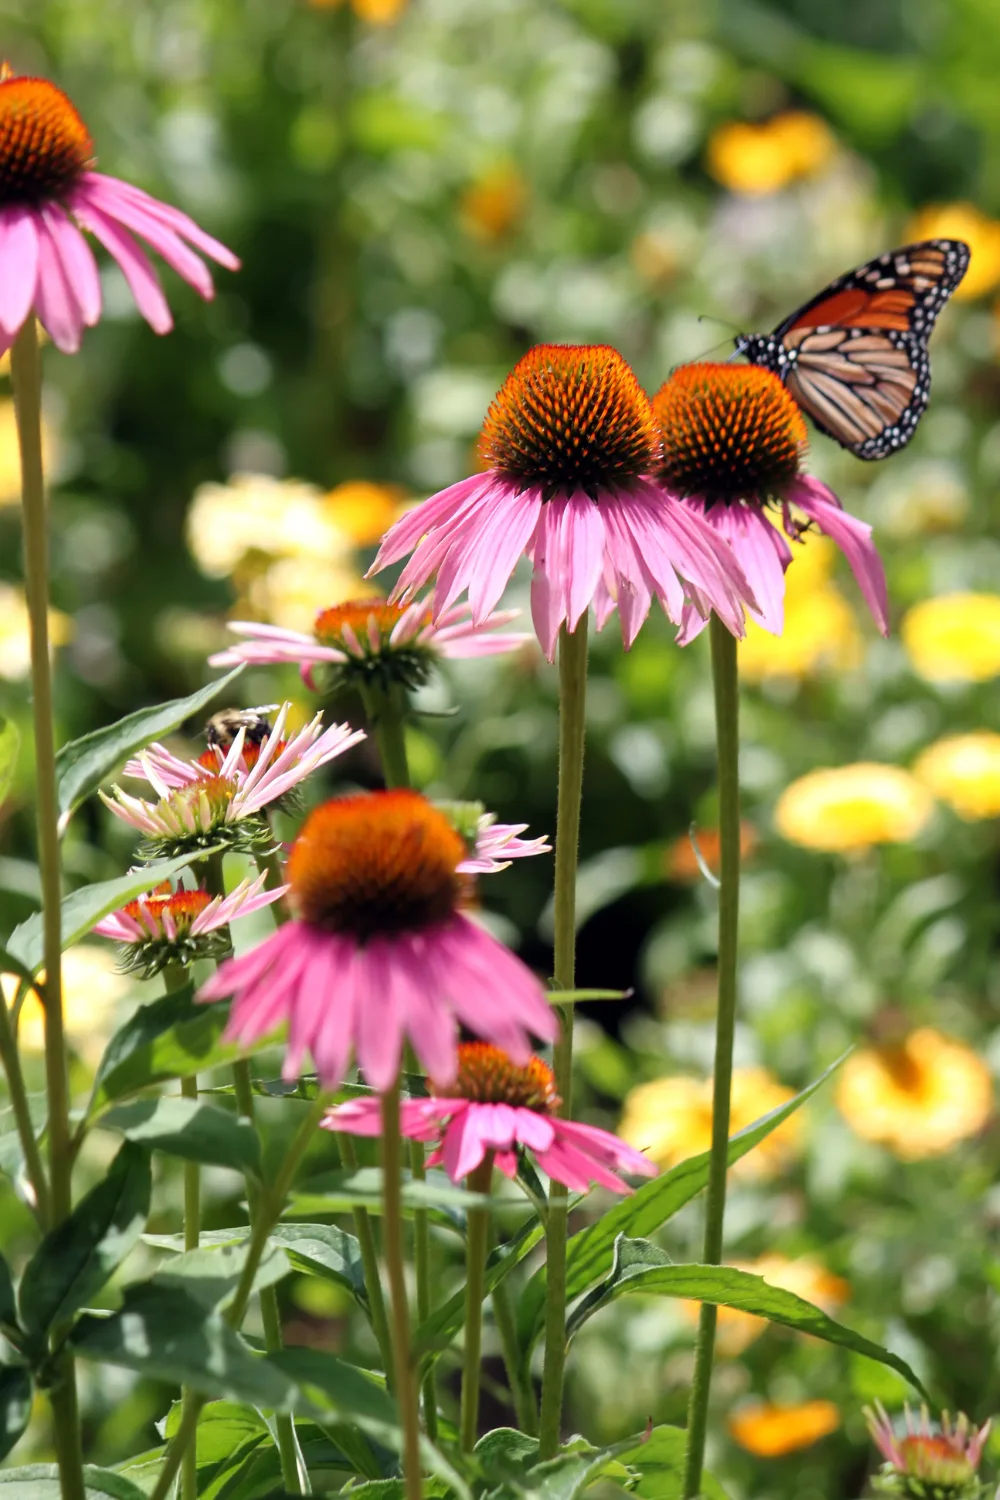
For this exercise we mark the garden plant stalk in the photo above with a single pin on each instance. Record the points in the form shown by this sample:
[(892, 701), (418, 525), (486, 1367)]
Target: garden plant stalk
[(406, 1390), (476, 1246)]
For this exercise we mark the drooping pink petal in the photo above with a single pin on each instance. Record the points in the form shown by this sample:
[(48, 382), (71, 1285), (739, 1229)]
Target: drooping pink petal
[(331, 994), (463, 1147), (116, 192), (429, 1025), (763, 554), (18, 267), (568, 555), (121, 207), (379, 1042), (534, 1130), (852, 536), (77, 259), (56, 301), (447, 505), (143, 281), (605, 1147)]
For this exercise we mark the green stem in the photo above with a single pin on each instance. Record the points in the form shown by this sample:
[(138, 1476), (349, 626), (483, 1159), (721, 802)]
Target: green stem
[(477, 1243), (270, 866), (387, 718), (369, 1264), (406, 1389), (518, 1378), (26, 376), (22, 1117), (192, 1237), (572, 727), (727, 730)]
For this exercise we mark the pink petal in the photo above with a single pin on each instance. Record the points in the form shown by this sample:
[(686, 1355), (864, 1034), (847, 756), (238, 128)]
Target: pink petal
[(441, 508), (464, 1146), (164, 240), (18, 267), (116, 192), (852, 536), (355, 1117), (78, 262), (55, 298), (762, 553), (380, 1015), (331, 996), (142, 279)]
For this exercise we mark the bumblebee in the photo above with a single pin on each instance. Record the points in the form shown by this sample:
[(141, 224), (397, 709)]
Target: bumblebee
[(223, 727)]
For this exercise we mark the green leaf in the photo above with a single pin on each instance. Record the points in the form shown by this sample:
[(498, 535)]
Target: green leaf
[(82, 908), (564, 1477), (436, 1333), (325, 1251), (659, 1462), (336, 1192), (642, 1267), (10, 744), (41, 1482), (172, 1037), (8, 1302), (588, 1253), (190, 1129), (165, 1334), (75, 1259), (82, 765), (211, 1274), (15, 1405), (506, 1452), (11, 1154)]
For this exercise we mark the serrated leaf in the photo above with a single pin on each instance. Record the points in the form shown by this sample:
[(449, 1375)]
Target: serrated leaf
[(188, 1128), (642, 1267), (15, 1405), (82, 908), (76, 1259), (82, 765), (172, 1037), (10, 744), (41, 1482), (588, 1253)]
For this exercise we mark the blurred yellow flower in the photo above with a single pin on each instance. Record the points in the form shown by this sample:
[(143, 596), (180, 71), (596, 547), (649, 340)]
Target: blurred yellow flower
[(92, 991), (821, 634), (254, 514), (769, 1431), (926, 496), (954, 637), (919, 1098), (853, 807), (376, 12), (963, 221), (964, 771), (763, 158), (363, 511), (10, 458), (806, 1277), (15, 643), (494, 203), (292, 591), (671, 1119)]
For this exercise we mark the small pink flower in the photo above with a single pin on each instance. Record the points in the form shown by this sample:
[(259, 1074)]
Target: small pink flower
[(569, 443), (499, 843), (165, 926), (938, 1459), (380, 952), (733, 442), (49, 193), (367, 638), (497, 1105)]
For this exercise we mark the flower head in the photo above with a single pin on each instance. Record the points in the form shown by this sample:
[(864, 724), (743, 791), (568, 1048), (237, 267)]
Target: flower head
[(964, 771), (963, 221), (771, 1431), (495, 1105), (929, 1461), (732, 443), (848, 808), (759, 159), (369, 643), (202, 804), (490, 846), (569, 443), (49, 192), (178, 927), (380, 951), (918, 1097), (671, 1119), (954, 637)]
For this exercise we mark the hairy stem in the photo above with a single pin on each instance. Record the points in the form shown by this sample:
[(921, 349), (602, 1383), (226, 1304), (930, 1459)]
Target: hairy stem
[(477, 1243), (518, 1378), (406, 1389), (572, 725), (726, 684)]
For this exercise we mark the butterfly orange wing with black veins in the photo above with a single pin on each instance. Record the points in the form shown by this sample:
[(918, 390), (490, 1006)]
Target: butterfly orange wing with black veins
[(855, 357)]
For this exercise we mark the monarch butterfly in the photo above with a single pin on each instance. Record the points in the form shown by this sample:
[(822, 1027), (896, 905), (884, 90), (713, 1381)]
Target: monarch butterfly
[(855, 357)]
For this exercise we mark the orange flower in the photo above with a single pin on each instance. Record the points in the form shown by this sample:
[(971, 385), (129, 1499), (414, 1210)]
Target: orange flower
[(671, 1119), (681, 862), (494, 203), (918, 1098), (769, 1431), (361, 510), (758, 159), (963, 221)]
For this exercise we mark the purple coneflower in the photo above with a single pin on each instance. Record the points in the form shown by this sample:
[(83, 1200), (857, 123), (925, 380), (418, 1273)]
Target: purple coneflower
[(48, 193), (177, 927), (496, 844), (928, 1460), (569, 444), (732, 443), (496, 1105), (380, 952)]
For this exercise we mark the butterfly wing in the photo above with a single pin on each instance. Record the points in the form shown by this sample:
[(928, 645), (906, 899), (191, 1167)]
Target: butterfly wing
[(855, 357)]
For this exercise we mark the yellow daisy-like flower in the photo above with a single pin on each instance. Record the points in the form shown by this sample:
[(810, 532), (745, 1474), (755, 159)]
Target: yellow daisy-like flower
[(758, 159), (963, 221), (15, 642), (10, 457), (821, 632), (375, 12), (362, 511), (769, 1431), (963, 770), (848, 808), (494, 203), (293, 591), (806, 1277), (919, 1098), (255, 514), (671, 1119), (92, 991), (954, 637)]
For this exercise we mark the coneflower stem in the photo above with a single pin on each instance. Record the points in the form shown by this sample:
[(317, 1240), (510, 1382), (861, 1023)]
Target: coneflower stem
[(518, 1377), (386, 712), (476, 1246), (572, 729), (33, 1164), (727, 731), (406, 1389), (26, 377), (369, 1264)]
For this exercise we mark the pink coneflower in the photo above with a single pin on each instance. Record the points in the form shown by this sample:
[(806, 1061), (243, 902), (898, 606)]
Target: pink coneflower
[(928, 1460), (568, 444), (200, 806), (497, 1105), (380, 952), (495, 844), (367, 641), (733, 441), (48, 193), (177, 927)]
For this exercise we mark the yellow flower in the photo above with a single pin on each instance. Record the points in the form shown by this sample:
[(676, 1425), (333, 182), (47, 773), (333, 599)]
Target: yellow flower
[(820, 634), (769, 1431), (671, 1119), (363, 511), (92, 991), (376, 12), (292, 592), (963, 221), (494, 204), (806, 1277), (10, 458), (853, 807), (257, 514), (919, 1098), (15, 643), (763, 158), (964, 771), (954, 637)]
